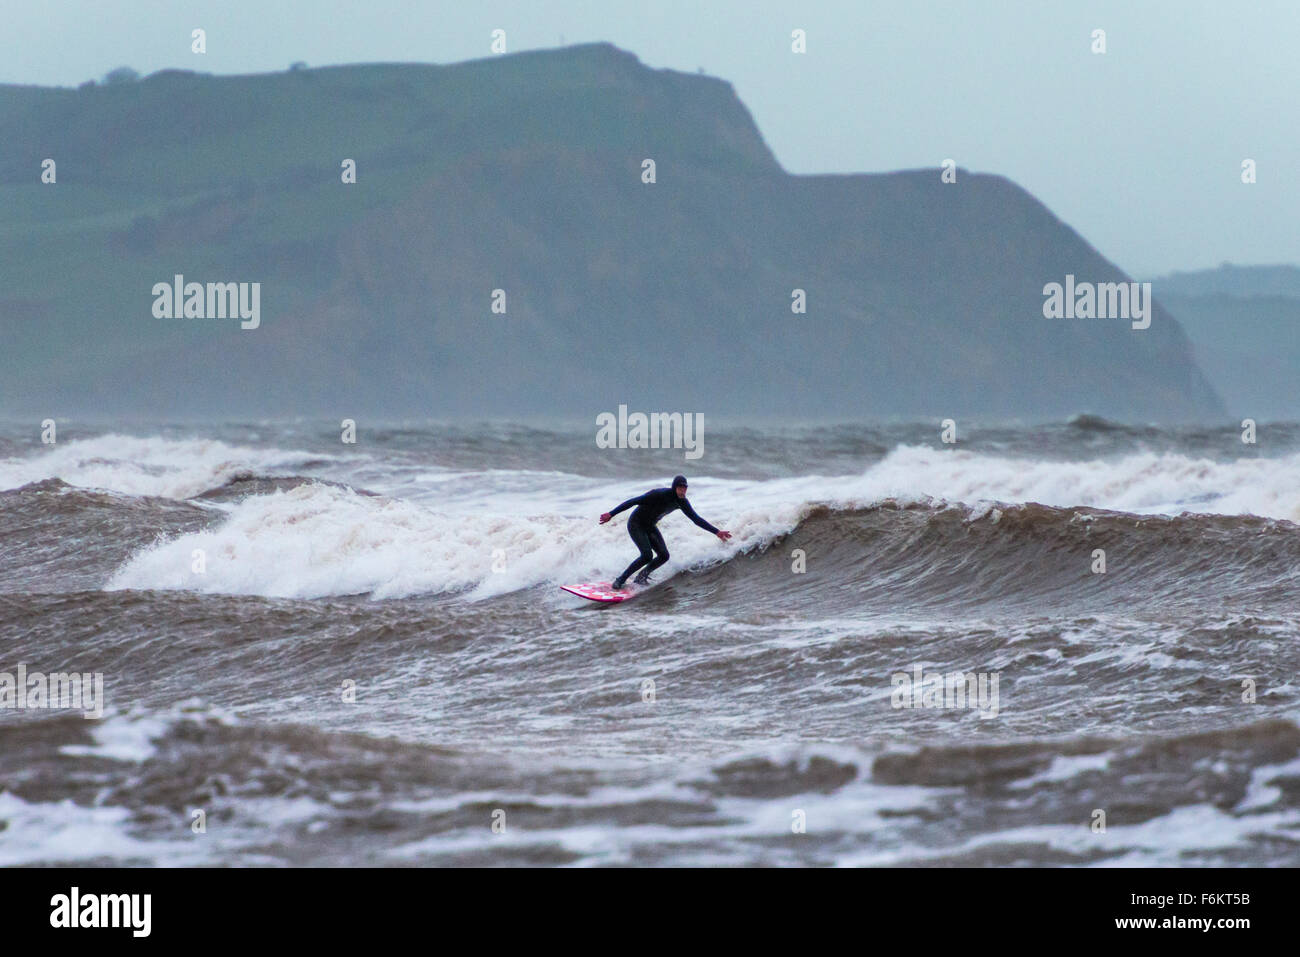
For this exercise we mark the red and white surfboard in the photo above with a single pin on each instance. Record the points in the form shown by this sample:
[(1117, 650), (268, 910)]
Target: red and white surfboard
[(603, 592)]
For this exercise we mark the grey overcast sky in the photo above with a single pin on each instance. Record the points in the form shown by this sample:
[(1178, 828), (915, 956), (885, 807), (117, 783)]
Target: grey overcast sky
[(1139, 149)]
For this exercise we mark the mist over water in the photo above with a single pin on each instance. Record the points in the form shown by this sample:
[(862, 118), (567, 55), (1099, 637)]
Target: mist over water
[(423, 564)]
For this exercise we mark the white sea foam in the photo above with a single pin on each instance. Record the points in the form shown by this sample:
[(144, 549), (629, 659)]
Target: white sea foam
[(121, 737), (488, 533), (63, 831), (1165, 483), (171, 468), (318, 540)]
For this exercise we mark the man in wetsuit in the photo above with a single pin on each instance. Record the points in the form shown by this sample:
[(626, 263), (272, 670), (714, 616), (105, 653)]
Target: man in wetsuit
[(651, 507)]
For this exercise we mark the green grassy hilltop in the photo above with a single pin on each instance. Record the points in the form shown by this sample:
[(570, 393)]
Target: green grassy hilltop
[(523, 173)]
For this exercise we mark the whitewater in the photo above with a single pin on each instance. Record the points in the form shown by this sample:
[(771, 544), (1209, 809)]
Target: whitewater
[(480, 534)]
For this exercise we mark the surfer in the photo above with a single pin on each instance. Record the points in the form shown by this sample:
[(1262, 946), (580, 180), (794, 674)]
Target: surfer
[(651, 507)]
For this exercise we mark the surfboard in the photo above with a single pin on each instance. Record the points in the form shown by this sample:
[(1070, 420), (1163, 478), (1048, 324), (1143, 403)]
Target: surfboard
[(604, 592)]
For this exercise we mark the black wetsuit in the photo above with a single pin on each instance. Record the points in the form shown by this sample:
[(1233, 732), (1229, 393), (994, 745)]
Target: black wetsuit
[(651, 507)]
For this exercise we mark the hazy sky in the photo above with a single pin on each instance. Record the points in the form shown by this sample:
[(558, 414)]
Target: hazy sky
[(1139, 149)]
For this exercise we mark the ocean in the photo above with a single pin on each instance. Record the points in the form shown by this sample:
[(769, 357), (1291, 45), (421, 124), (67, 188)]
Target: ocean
[(319, 653)]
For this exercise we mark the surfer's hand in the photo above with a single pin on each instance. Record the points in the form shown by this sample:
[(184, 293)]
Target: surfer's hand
[(724, 535), (605, 518)]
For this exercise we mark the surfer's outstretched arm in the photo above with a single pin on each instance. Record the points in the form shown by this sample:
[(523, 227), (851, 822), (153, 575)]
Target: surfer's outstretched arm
[(628, 504), (690, 513)]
